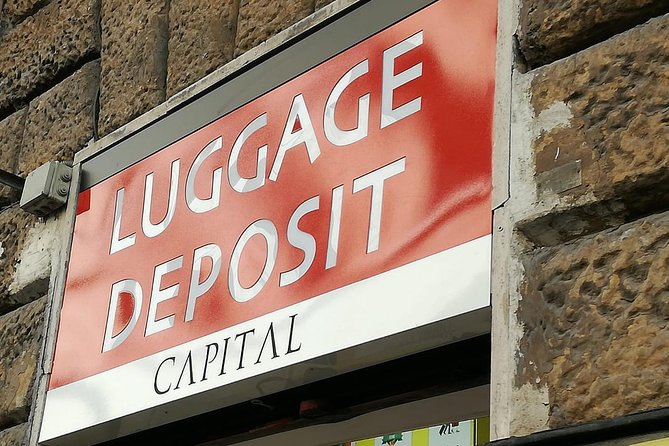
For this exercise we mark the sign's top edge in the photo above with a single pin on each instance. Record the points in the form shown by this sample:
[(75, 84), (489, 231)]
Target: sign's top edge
[(219, 76)]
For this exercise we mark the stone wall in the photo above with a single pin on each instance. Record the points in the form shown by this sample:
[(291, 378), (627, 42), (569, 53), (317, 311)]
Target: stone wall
[(585, 253), (581, 243), (71, 72)]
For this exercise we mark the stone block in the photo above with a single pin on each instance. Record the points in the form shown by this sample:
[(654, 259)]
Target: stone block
[(21, 9), (13, 12), (44, 48), (14, 436), (61, 121), (616, 141), (202, 38), (134, 60), (595, 314), (20, 336), (553, 29), (261, 19), (11, 135), (14, 227)]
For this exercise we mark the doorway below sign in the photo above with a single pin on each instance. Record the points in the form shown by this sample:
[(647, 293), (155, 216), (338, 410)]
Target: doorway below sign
[(474, 432), (428, 422)]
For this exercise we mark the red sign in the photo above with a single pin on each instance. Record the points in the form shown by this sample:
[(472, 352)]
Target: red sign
[(373, 160)]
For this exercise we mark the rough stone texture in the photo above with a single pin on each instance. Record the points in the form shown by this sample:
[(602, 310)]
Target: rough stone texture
[(617, 93), (61, 121), (596, 317), (202, 38), (53, 127), (13, 12), (14, 226), (44, 48), (14, 436), (321, 3), (11, 135), (20, 9), (552, 29), (261, 19), (134, 60), (20, 336)]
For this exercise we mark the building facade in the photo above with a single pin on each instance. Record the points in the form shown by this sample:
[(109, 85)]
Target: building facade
[(579, 333)]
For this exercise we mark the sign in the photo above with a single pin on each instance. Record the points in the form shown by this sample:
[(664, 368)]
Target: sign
[(346, 205)]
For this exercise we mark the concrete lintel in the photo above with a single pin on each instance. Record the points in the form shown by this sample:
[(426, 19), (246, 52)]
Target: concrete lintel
[(507, 23), (501, 361)]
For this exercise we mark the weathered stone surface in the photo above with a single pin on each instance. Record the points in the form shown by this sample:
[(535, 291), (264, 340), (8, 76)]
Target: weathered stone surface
[(53, 127), (13, 12), (46, 47), (261, 19), (20, 9), (321, 3), (134, 60), (202, 38), (14, 436), (596, 320), (20, 334), (11, 135), (14, 226), (61, 121), (617, 93), (552, 29)]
